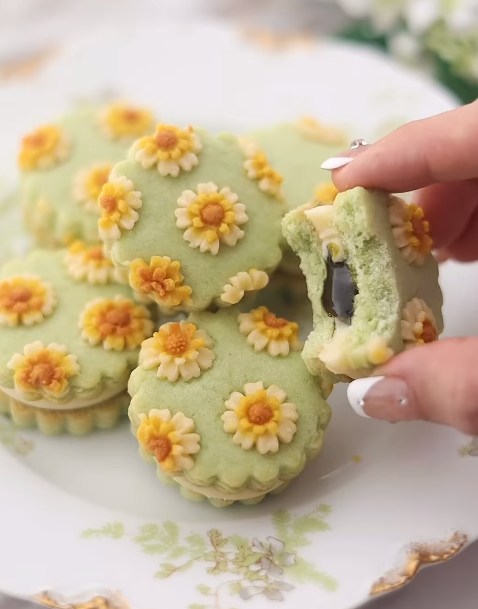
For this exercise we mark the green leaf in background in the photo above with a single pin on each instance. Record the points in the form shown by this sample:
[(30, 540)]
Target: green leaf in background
[(452, 57), (112, 530)]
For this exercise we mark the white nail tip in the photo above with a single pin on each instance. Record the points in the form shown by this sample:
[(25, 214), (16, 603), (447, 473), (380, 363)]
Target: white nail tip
[(336, 162), (357, 391)]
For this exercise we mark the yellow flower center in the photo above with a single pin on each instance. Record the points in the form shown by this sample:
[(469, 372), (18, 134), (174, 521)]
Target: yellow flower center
[(17, 300), (155, 280), (35, 141), (21, 299), (95, 254), (115, 321), (260, 413), (161, 447), (42, 374), (166, 139), (131, 116), (126, 121), (177, 344), (274, 322), (212, 214), (109, 203)]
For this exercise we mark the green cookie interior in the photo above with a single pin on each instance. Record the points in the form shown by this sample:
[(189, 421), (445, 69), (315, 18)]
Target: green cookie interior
[(385, 281), (102, 373), (221, 161), (51, 213), (222, 468)]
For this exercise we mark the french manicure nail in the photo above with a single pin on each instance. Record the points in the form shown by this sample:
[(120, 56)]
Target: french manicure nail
[(336, 162), (378, 394)]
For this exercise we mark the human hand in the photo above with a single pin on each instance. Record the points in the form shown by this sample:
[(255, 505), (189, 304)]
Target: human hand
[(438, 157)]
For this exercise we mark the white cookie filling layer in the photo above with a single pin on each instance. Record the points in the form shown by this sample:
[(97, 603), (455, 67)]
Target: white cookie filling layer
[(321, 218), (75, 404), (211, 492)]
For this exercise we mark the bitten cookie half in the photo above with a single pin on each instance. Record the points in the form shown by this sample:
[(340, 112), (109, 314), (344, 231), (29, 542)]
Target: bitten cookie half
[(371, 278), (224, 406)]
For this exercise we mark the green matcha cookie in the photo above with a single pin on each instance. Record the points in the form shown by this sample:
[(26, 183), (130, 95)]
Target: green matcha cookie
[(68, 339), (296, 151), (371, 278), (193, 219), (225, 407), (65, 165)]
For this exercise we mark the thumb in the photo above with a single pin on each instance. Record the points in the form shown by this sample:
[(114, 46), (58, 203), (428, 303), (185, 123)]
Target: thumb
[(435, 382)]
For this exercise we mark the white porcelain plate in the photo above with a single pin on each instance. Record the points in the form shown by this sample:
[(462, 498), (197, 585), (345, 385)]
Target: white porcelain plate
[(86, 515)]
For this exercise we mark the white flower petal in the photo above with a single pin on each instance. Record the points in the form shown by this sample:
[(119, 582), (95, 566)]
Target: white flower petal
[(258, 340), (168, 370), (164, 415), (205, 336), (190, 443), (182, 423), (240, 212), (286, 430), (246, 442), (188, 161), (205, 358), (251, 388), (289, 411), (276, 392), (231, 197), (233, 237), (278, 347), (166, 168), (189, 370), (208, 188), (246, 323), (186, 198), (233, 402), (268, 443), (231, 422)]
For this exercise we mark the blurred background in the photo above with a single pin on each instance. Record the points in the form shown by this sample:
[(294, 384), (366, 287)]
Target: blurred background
[(438, 36)]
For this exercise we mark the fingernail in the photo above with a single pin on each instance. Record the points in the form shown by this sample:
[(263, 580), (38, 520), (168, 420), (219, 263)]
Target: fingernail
[(378, 396), (336, 162)]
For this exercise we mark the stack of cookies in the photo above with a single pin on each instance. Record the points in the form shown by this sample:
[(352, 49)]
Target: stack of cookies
[(158, 246)]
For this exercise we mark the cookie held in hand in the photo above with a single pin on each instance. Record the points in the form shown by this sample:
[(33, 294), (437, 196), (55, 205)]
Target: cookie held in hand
[(371, 278)]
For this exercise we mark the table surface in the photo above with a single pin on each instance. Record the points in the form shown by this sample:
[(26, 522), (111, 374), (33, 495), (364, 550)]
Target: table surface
[(453, 584)]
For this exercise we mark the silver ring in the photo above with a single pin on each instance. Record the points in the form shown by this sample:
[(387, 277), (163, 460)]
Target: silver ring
[(357, 143)]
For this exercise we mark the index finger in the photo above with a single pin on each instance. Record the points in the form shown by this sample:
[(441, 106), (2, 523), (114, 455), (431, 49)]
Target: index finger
[(442, 148)]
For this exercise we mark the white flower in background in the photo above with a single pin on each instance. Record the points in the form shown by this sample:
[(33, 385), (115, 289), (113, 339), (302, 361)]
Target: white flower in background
[(459, 15), (406, 46), (419, 15), (418, 30)]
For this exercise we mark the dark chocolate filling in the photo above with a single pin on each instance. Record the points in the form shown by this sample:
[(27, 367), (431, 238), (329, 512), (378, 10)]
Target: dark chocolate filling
[(339, 291)]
